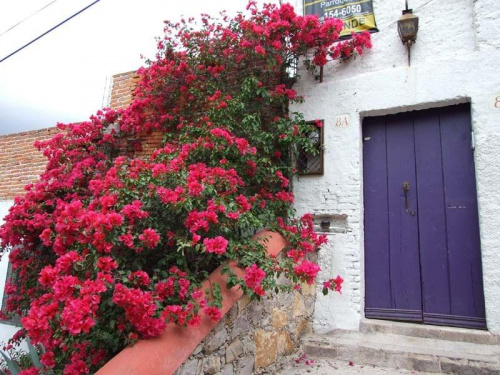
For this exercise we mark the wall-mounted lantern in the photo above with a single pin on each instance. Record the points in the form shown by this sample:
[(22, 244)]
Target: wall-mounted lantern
[(408, 29)]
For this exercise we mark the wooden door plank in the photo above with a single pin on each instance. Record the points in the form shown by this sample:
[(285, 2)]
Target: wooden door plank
[(466, 285), (403, 238), (431, 214), (376, 218)]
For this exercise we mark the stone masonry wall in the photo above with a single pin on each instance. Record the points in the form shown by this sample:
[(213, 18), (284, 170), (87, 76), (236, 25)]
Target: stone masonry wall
[(254, 335)]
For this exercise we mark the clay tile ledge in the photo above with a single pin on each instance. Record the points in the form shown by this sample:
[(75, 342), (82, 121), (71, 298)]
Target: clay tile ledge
[(166, 353)]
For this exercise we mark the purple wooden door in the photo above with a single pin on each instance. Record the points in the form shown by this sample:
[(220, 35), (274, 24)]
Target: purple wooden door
[(422, 249)]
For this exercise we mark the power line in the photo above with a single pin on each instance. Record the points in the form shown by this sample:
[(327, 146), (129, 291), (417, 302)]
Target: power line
[(31, 15), (48, 31)]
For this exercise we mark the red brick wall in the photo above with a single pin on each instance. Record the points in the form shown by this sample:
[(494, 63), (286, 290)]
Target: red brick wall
[(123, 88), (122, 94), (20, 162)]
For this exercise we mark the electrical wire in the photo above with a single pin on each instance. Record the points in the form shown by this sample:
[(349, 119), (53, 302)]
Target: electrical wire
[(48, 31), (31, 15)]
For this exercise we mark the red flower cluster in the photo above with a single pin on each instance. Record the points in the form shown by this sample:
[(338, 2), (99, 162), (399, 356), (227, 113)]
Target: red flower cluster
[(253, 278), (307, 271), (217, 245), (140, 309), (333, 284), (150, 238)]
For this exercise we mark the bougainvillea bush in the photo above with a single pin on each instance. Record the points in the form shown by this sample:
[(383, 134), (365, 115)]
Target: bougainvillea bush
[(107, 249)]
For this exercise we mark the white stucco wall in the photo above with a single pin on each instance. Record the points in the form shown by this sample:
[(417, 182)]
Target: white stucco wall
[(456, 59), (6, 330)]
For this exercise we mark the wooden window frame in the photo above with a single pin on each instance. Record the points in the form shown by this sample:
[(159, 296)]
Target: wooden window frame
[(16, 319)]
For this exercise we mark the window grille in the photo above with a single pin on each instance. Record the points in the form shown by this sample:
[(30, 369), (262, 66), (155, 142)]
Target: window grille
[(311, 163)]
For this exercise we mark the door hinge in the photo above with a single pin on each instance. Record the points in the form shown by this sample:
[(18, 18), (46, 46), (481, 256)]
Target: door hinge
[(472, 140)]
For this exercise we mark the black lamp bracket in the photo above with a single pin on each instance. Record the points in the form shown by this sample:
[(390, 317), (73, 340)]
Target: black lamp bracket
[(406, 11)]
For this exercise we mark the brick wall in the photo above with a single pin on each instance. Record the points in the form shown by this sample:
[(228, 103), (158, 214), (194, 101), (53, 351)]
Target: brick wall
[(20, 162), (122, 94), (122, 91)]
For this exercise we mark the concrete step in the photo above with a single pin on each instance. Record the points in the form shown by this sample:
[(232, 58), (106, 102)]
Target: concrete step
[(325, 366), (431, 332), (388, 350)]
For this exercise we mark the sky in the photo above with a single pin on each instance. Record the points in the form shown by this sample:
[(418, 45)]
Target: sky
[(64, 76)]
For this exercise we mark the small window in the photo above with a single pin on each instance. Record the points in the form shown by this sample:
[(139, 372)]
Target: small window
[(311, 163), (11, 277)]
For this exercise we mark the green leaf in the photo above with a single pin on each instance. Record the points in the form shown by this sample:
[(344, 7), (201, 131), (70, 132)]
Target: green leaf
[(33, 354), (13, 366)]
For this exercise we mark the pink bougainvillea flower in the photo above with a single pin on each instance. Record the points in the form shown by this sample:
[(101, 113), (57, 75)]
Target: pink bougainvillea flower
[(254, 277), (307, 271), (47, 359), (140, 277), (150, 238), (333, 284), (338, 283), (213, 312), (217, 245), (48, 276), (46, 237), (30, 371), (106, 264)]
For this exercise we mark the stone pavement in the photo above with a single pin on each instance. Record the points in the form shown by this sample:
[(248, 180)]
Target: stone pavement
[(331, 367)]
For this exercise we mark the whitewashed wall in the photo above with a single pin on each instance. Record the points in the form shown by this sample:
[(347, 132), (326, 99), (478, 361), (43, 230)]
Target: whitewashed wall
[(6, 330), (456, 59)]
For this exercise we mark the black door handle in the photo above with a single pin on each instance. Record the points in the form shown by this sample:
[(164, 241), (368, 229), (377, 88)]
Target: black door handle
[(406, 189)]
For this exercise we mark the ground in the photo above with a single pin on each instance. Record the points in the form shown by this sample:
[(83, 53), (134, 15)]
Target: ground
[(330, 367)]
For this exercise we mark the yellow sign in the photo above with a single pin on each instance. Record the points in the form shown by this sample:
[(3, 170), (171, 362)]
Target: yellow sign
[(357, 15)]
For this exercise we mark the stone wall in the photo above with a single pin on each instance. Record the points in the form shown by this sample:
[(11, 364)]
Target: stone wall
[(254, 336)]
